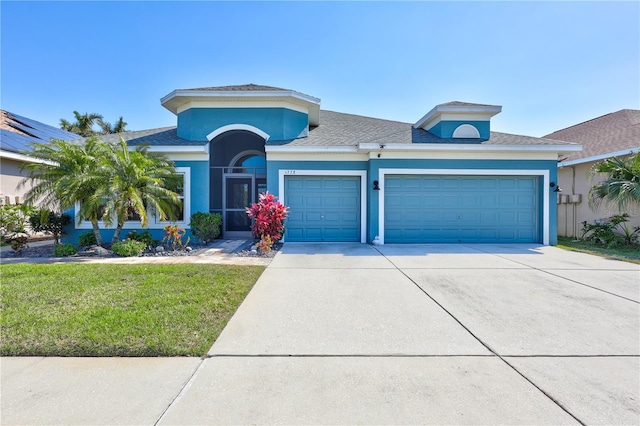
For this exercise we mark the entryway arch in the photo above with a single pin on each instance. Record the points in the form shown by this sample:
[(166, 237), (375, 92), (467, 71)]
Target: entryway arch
[(238, 173)]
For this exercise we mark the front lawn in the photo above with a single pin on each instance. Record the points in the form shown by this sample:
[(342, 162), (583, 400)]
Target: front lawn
[(629, 253), (118, 310)]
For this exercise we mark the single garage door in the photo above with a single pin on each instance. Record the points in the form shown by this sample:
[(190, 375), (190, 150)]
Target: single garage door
[(323, 208), (452, 209)]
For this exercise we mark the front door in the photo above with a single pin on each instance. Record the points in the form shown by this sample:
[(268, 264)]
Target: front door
[(241, 190)]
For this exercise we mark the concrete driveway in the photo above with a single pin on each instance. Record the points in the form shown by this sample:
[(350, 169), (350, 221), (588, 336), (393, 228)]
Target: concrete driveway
[(447, 334)]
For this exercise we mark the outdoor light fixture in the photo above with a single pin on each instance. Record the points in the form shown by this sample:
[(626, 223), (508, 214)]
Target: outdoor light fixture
[(375, 186), (555, 185)]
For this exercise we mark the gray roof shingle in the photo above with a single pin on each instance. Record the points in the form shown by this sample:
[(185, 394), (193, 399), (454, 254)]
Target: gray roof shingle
[(466, 104), (239, 88), (163, 136), (340, 129), (609, 133)]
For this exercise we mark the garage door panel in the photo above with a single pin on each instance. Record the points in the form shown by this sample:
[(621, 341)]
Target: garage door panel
[(488, 184), (469, 200), (430, 201), (527, 183), (323, 208), (461, 209), (313, 184)]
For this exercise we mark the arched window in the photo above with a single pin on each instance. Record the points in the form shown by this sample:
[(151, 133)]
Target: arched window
[(252, 162), (466, 131)]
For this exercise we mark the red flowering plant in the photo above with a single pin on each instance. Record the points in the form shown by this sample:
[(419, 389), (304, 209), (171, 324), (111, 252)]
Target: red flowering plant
[(268, 216)]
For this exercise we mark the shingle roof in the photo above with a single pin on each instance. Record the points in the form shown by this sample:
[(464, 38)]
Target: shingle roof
[(469, 104), (163, 136), (18, 132), (239, 88), (340, 129), (609, 133)]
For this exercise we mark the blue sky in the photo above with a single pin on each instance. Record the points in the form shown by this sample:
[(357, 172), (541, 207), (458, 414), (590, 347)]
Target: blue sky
[(549, 64)]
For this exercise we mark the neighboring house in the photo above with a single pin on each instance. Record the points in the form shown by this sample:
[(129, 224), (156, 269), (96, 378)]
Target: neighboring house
[(16, 134), (611, 135), (446, 178)]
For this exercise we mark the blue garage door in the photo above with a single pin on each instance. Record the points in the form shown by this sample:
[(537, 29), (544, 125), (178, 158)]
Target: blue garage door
[(323, 208), (452, 209)]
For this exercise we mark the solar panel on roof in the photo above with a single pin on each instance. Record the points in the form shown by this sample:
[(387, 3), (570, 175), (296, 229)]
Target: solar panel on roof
[(14, 142), (36, 132)]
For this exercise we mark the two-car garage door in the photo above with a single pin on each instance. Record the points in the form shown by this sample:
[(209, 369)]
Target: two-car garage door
[(417, 208), (452, 209)]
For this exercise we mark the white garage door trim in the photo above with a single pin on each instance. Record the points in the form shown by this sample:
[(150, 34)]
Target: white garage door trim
[(464, 172), (363, 190)]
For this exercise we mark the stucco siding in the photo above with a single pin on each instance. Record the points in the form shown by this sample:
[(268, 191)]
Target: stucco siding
[(576, 180), (10, 178), (279, 123), (445, 128)]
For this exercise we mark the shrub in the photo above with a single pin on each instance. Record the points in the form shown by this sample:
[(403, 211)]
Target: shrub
[(13, 224), (144, 237), (206, 226), (173, 235), (87, 239), (13, 220), (64, 250), (18, 242), (265, 244), (603, 232), (49, 222), (268, 219), (128, 248)]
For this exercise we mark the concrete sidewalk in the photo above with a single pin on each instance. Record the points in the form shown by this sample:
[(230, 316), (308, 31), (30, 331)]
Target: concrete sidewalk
[(354, 334)]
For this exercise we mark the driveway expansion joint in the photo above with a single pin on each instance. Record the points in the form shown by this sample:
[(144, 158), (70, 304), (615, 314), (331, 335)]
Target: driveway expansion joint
[(486, 345), (549, 271), (180, 393)]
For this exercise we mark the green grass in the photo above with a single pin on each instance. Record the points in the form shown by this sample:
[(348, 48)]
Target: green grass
[(625, 253), (118, 310)]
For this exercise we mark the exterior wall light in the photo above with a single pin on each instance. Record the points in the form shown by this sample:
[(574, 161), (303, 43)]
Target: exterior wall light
[(555, 185), (375, 186)]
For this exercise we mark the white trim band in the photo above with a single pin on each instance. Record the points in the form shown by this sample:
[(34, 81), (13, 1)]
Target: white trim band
[(622, 152), (282, 174), (237, 126)]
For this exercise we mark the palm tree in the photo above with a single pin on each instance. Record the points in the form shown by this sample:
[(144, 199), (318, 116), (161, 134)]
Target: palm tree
[(621, 186), (140, 181), (83, 125), (68, 174), (106, 127)]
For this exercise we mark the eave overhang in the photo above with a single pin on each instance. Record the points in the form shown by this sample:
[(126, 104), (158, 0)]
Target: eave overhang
[(449, 112), (600, 157)]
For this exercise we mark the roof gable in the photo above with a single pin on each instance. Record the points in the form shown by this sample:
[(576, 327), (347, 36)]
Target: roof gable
[(459, 120)]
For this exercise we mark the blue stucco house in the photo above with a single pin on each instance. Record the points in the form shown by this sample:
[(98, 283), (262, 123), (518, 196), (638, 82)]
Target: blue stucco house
[(446, 178)]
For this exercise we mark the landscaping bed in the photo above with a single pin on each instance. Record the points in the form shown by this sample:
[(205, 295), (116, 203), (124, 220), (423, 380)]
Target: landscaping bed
[(118, 310), (628, 253)]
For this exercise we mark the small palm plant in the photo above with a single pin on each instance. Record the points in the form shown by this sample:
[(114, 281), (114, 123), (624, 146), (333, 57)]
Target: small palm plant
[(621, 186), (139, 181), (65, 175)]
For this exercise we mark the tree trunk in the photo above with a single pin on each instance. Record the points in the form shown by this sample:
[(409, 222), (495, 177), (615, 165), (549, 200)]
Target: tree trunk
[(116, 234), (96, 232)]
